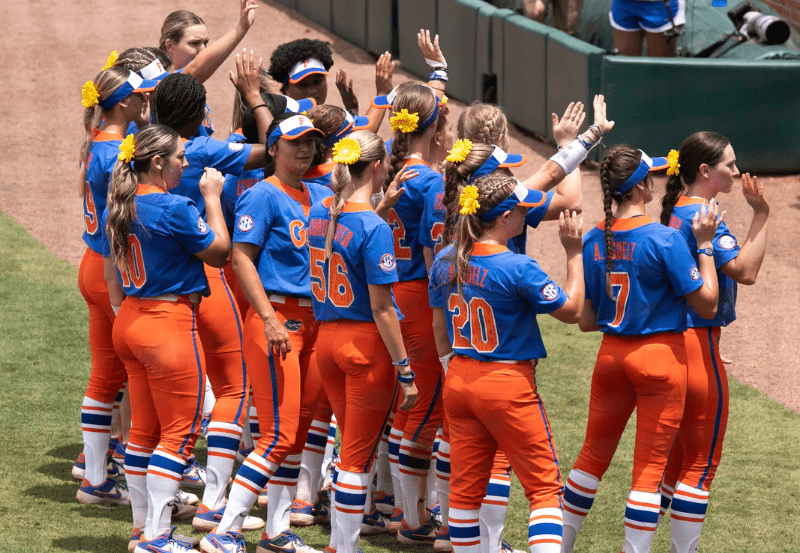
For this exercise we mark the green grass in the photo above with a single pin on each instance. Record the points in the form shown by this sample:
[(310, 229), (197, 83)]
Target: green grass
[(44, 363)]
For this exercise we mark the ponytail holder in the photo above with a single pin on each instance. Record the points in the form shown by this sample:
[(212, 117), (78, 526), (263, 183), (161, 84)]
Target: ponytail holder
[(89, 95), (127, 149), (674, 166), (112, 59), (404, 122), (461, 149), (468, 200), (347, 151)]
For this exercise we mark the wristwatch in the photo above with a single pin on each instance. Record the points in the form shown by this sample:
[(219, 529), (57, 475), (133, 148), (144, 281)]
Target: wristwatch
[(709, 251)]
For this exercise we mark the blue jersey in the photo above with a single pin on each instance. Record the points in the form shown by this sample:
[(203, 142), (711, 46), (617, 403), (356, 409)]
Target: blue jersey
[(201, 152), (363, 254), (405, 219), (495, 320), (725, 249), (651, 271), (236, 185), (167, 233), (100, 166), (321, 174), (274, 217)]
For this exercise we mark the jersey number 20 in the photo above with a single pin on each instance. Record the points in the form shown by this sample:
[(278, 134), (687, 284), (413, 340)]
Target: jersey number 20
[(483, 330), (340, 291)]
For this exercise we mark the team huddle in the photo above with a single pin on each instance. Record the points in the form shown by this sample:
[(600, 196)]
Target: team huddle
[(303, 277)]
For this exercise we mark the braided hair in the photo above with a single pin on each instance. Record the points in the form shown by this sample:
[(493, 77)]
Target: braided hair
[(179, 102), (455, 175), (417, 98), (139, 57), (484, 123)]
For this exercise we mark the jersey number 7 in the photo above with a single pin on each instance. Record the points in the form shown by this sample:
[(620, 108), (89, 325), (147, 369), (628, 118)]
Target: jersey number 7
[(622, 282)]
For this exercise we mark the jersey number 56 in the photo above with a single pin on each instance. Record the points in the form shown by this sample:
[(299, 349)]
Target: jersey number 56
[(339, 289)]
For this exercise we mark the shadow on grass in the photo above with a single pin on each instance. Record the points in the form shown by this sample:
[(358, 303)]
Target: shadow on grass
[(61, 471), (69, 452), (98, 544), (57, 493)]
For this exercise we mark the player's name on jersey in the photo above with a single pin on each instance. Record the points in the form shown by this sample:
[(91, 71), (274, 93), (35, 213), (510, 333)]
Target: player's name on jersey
[(619, 250)]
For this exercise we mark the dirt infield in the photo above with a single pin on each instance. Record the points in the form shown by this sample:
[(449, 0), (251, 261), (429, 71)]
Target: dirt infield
[(52, 48)]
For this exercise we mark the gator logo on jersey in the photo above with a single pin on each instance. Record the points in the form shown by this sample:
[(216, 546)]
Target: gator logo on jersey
[(202, 227), (550, 292), (293, 325), (387, 263), (695, 273), (245, 223), (235, 146), (727, 242)]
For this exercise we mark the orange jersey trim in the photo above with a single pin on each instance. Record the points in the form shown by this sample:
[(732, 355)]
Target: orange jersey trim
[(301, 197), (686, 200), (482, 248), (415, 161), (320, 170), (143, 189), (627, 224), (104, 136)]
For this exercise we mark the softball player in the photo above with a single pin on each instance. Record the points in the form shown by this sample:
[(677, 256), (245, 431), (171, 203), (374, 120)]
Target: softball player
[(481, 294), (633, 20), (270, 258), (704, 168), (352, 271), (112, 101), (637, 274), (335, 123), (158, 243)]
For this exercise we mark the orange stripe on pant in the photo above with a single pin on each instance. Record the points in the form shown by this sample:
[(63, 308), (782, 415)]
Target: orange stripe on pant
[(491, 405), (422, 422), (361, 382), (108, 372), (159, 344), (285, 391), (647, 373), (698, 449)]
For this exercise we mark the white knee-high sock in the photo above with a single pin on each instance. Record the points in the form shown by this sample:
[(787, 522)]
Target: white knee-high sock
[(688, 513), (253, 476), (492, 513), (641, 520), (393, 449), (465, 532), (666, 500), (252, 423), (430, 485), (415, 461), (333, 544), (137, 458), (579, 492), (443, 480), (223, 443), (311, 461), (281, 491), (96, 431), (164, 475), (382, 470), (350, 496), (544, 530), (208, 400)]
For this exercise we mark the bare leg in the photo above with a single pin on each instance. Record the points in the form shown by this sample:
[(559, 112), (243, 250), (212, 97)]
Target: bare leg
[(629, 43), (658, 47)]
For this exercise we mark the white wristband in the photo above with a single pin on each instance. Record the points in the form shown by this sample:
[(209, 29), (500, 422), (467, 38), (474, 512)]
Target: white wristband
[(116, 309), (572, 155), (436, 64), (445, 361)]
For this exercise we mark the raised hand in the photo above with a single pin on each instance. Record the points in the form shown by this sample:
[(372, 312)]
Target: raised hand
[(346, 91), (566, 129)]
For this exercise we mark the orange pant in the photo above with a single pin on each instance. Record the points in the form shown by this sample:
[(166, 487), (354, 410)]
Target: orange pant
[(285, 391), (108, 372), (491, 405), (421, 423), (697, 451), (648, 373), (361, 384), (236, 289), (161, 349), (220, 328)]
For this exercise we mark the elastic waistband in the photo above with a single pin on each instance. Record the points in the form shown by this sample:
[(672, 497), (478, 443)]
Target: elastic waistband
[(532, 362), (288, 300), (193, 298)]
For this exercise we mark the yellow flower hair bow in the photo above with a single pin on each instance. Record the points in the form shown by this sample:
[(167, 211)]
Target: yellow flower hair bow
[(674, 166), (468, 200), (444, 99), (404, 122), (346, 151), (127, 149), (112, 59), (89, 95), (461, 149)]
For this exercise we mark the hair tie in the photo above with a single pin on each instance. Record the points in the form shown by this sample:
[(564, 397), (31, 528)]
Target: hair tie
[(468, 200), (347, 151), (461, 149), (112, 59), (89, 95), (127, 149), (404, 122), (674, 166)]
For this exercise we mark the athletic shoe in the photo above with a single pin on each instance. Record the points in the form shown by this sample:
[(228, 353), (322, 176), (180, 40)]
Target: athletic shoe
[(168, 542), (119, 452), (113, 469), (443, 543), (136, 536), (410, 536), (194, 475), (182, 510), (374, 523), (506, 547), (383, 502), (242, 453), (110, 492), (229, 542), (285, 542), (302, 513), (322, 510), (435, 516), (395, 520), (206, 520), (263, 498)]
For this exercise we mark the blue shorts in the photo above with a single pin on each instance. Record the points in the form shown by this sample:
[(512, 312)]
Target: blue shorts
[(650, 15)]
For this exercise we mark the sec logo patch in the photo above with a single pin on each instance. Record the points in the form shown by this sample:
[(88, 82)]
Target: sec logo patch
[(695, 274), (387, 264), (202, 227), (235, 146), (245, 223), (550, 292), (727, 242)]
